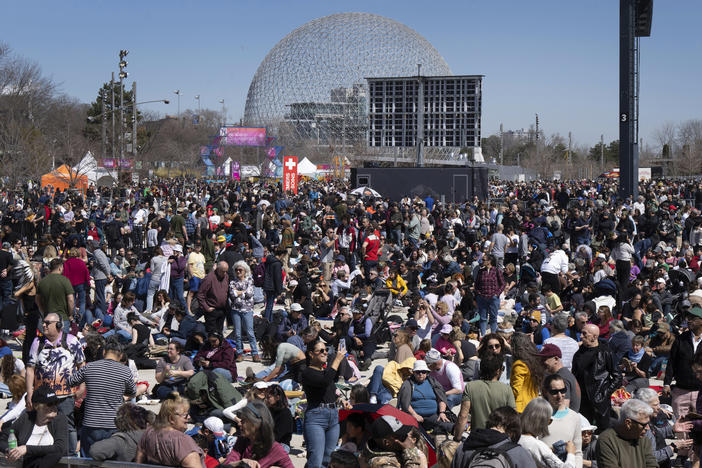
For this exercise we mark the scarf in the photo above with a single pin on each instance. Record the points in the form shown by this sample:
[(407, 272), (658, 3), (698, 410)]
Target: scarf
[(635, 357)]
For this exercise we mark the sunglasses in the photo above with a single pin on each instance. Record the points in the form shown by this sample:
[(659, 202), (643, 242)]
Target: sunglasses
[(644, 424), (321, 351), (421, 372), (494, 346), (556, 391), (49, 322)]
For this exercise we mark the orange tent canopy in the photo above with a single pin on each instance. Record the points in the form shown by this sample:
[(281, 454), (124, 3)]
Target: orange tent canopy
[(63, 178)]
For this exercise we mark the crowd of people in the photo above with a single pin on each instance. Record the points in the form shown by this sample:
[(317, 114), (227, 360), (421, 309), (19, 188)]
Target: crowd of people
[(529, 329)]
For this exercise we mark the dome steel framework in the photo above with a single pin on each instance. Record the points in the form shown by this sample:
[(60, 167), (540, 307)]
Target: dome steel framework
[(311, 86)]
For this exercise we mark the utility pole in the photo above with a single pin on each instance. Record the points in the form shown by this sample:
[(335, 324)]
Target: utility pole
[(178, 93), (112, 112), (570, 145), (122, 124), (601, 153), (134, 121), (103, 125), (224, 117), (536, 140), (502, 146)]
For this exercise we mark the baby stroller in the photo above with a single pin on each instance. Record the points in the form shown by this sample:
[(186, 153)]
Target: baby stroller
[(379, 307)]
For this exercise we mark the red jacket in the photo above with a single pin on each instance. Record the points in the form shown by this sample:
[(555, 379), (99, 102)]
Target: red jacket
[(222, 357), (76, 271)]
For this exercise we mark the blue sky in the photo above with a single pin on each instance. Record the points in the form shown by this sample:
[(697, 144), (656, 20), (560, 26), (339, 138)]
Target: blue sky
[(557, 58)]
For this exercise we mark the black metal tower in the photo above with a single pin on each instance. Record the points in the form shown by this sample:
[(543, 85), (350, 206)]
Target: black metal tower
[(634, 22)]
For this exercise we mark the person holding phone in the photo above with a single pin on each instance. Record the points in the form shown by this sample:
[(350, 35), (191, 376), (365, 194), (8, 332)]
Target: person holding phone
[(321, 429)]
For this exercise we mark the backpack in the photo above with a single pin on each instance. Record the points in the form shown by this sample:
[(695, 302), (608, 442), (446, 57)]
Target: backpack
[(258, 273), (492, 457)]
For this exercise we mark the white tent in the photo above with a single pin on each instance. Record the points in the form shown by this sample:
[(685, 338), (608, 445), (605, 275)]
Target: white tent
[(88, 167), (306, 167)]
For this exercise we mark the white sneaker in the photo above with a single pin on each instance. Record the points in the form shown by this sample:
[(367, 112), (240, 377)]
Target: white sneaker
[(373, 400)]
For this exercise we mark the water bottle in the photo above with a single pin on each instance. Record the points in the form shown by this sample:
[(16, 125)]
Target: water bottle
[(12, 440)]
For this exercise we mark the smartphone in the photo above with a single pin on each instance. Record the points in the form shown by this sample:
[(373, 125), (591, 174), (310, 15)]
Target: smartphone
[(342, 346)]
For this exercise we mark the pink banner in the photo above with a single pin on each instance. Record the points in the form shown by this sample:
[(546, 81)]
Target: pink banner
[(235, 171), (244, 136)]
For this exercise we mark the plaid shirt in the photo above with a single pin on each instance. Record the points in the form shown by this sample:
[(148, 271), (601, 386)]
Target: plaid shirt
[(489, 282)]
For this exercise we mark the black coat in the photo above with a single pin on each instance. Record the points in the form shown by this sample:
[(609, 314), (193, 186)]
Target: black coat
[(23, 426), (598, 377), (273, 276), (680, 363)]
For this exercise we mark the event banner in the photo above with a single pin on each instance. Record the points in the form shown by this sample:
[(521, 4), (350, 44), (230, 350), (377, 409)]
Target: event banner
[(243, 136), (290, 173), (235, 171), (111, 163)]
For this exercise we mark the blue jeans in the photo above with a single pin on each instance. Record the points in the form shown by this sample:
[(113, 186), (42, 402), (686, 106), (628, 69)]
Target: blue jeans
[(237, 317), (100, 304), (454, 399), (123, 336), (487, 308), (79, 290), (321, 433), (376, 387), (90, 435), (176, 291), (270, 301), (153, 287), (5, 291)]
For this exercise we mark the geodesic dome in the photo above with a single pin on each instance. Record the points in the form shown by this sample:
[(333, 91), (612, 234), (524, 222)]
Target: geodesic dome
[(312, 83)]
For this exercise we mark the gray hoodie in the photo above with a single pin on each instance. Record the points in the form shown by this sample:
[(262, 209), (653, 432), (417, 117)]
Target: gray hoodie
[(122, 446)]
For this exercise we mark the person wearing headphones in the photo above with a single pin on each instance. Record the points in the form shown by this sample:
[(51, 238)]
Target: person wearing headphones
[(53, 358)]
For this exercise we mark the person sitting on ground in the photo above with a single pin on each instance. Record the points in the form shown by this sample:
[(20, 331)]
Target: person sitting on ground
[(17, 386), (443, 343), (625, 445), (131, 421), (423, 397), (482, 397), (283, 421), (257, 392), (187, 326), (121, 324), (165, 442), (587, 431), (42, 433), (389, 445), (448, 374), (565, 423), (535, 420), (293, 324), (501, 433), (636, 364), (387, 380), (256, 445), (217, 355), (172, 372)]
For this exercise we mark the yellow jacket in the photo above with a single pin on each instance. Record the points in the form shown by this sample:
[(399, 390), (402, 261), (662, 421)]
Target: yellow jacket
[(391, 374), (523, 387), (399, 286)]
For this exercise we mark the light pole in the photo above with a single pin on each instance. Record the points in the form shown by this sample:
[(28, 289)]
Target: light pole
[(178, 93), (197, 98), (224, 117)]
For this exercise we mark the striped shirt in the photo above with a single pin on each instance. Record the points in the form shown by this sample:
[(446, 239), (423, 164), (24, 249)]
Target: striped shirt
[(107, 381)]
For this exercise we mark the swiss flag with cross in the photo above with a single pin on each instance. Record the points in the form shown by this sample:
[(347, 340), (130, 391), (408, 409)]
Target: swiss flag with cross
[(290, 173)]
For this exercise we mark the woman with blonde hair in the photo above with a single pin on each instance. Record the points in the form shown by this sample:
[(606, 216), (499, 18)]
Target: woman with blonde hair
[(403, 346), (165, 442)]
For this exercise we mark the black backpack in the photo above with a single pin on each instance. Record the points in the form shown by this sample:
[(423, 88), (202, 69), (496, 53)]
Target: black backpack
[(259, 273), (492, 457)]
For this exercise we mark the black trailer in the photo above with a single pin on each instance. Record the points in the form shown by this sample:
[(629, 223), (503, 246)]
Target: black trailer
[(452, 184)]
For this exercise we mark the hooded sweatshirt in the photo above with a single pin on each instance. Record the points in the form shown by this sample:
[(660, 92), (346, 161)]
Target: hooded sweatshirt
[(484, 438), (122, 446)]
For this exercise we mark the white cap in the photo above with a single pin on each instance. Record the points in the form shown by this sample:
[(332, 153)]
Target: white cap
[(447, 328), (295, 307), (420, 365), (214, 424), (585, 424)]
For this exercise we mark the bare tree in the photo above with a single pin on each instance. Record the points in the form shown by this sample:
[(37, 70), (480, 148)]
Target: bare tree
[(690, 142)]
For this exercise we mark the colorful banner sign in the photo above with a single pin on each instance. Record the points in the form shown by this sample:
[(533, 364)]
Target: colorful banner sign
[(235, 171), (111, 163), (290, 173), (243, 136)]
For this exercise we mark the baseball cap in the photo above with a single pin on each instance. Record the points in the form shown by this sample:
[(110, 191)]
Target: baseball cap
[(535, 315), (550, 350), (44, 394), (661, 281), (447, 328), (6, 245), (585, 425), (214, 424), (696, 311), (177, 248), (432, 356), (386, 426), (341, 258), (420, 365), (221, 239), (411, 323), (295, 307)]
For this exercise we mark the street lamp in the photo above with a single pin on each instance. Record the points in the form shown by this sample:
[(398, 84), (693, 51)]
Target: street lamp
[(197, 98), (177, 92)]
